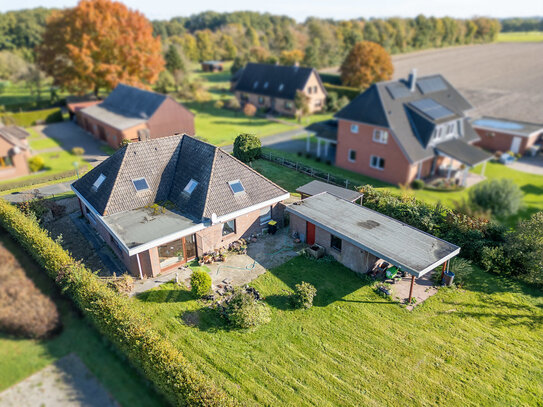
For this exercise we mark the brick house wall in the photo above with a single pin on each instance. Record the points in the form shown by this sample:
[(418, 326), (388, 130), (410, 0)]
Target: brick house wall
[(499, 141), (317, 95), (102, 131), (20, 161), (397, 169), (171, 118), (350, 256)]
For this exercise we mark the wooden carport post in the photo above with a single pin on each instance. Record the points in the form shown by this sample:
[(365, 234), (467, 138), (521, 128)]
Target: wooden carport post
[(443, 269), (411, 289)]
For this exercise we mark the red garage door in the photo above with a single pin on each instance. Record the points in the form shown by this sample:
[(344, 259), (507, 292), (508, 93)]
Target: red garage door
[(310, 233)]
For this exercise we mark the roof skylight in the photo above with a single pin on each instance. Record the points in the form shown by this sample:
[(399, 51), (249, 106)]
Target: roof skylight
[(98, 182), (140, 184), (266, 85), (255, 85), (281, 87), (190, 186), (236, 187)]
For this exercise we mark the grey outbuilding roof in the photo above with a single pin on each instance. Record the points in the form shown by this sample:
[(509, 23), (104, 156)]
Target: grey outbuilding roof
[(463, 152), (402, 245), (316, 187), (507, 126), (168, 164), (14, 135), (274, 80), (410, 112)]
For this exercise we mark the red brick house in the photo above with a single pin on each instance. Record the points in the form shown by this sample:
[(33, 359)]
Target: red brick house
[(399, 131), (14, 152), (273, 87), (163, 202), (134, 114), (507, 135)]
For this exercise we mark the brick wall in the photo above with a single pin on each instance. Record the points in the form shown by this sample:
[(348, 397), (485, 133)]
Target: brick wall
[(171, 118), (397, 169), (497, 141)]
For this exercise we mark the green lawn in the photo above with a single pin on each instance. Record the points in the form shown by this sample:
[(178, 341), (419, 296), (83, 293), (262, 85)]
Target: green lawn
[(42, 143), (530, 184), (530, 36), (19, 358), (475, 346)]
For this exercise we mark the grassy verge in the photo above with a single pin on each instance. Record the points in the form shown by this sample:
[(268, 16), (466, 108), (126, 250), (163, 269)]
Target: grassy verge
[(475, 346), (27, 119), (529, 36), (19, 358)]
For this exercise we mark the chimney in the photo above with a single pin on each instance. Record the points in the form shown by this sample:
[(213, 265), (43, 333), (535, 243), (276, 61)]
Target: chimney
[(296, 64), (412, 79)]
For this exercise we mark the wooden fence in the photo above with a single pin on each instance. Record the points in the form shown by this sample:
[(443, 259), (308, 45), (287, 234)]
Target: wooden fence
[(312, 172)]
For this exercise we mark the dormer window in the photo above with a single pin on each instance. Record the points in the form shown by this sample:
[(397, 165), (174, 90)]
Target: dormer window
[(236, 187), (266, 85), (140, 184), (99, 181), (281, 87), (255, 85), (192, 184)]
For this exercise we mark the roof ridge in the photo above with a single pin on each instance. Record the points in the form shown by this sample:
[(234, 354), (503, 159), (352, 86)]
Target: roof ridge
[(116, 177), (209, 182)]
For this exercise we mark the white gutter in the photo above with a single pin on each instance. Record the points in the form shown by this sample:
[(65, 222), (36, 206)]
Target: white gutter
[(166, 239), (504, 131), (244, 211)]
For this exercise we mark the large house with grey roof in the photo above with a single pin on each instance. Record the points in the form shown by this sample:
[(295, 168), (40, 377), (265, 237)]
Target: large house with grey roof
[(399, 131), (134, 114), (273, 87), (163, 202)]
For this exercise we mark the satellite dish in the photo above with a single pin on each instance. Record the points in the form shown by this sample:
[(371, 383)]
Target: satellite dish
[(214, 218)]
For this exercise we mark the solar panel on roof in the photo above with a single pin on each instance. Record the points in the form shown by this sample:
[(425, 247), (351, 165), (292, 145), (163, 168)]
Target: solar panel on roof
[(431, 108), (430, 85), (398, 90)]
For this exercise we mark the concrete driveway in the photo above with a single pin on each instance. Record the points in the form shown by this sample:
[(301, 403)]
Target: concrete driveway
[(532, 165), (70, 135)]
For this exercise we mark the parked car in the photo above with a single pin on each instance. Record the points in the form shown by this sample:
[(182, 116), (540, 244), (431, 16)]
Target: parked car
[(507, 159)]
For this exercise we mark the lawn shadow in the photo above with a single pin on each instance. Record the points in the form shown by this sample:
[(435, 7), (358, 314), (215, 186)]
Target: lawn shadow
[(532, 189), (205, 319), (332, 280), (166, 293), (281, 302), (491, 283)]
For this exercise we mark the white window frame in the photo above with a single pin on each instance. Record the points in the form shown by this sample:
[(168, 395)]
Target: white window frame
[(99, 181), (354, 128), (380, 136), (268, 215), (378, 159), (233, 228), (191, 186), (349, 155)]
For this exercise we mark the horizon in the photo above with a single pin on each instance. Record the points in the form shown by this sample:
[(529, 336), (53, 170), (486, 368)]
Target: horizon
[(339, 10)]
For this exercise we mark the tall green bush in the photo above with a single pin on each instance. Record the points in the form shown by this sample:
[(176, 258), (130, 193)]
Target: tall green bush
[(501, 196), (247, 147), (115, 318), (200, 283), (244, 311)]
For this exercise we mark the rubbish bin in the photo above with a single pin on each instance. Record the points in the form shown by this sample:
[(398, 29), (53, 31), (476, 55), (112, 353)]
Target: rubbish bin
[(272, 227), (448, 278)]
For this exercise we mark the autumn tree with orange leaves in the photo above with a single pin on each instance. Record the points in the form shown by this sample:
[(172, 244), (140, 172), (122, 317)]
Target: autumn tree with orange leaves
[(366, 63), (98, 44)]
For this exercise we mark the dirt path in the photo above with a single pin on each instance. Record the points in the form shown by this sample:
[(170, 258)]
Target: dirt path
[(65, 383)]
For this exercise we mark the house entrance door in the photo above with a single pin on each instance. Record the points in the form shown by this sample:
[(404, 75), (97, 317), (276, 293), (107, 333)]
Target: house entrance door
[(310, 233), (515, 145)]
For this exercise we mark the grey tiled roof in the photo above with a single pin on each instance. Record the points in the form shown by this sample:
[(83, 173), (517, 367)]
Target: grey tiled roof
[(168, 164), (266, 80), (14, 135), (378, 106), (126, 107)]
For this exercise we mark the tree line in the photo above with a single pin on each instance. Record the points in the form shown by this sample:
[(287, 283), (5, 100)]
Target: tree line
[(518, 24)]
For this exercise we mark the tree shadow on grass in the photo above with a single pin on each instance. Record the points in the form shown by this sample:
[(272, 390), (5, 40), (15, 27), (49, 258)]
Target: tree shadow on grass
[(206, 320), (332, 280), (532, 189), (168, 292)]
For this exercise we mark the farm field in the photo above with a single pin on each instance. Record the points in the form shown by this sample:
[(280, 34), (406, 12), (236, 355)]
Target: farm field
[(20, 358), (529, 36), (474, 346)]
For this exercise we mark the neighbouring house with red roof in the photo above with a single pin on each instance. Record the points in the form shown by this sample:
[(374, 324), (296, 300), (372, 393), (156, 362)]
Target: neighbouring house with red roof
[(134, 114), (163, 202), (14, 152), (402, 130)]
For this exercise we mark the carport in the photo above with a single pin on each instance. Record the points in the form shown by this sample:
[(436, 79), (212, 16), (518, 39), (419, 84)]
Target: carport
[(316, 187), (360, 238)]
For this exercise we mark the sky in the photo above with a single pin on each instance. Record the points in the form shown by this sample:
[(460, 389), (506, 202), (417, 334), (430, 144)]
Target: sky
[(301, 9)]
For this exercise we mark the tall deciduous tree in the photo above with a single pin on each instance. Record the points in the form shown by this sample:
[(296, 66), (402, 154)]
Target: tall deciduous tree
[(366, 63), (98, 44)]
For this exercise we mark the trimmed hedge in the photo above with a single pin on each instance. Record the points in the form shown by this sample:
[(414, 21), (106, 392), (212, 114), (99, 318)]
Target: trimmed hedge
[(30, 118), (347, 91), (114, 317), (41, 180)]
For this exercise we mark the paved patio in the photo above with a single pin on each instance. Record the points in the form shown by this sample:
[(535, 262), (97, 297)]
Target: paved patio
[(422, 289)]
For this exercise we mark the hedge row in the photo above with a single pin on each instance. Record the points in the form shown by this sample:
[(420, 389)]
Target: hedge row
[(351, 93), (114, 317), (30, 118), (41, 180)]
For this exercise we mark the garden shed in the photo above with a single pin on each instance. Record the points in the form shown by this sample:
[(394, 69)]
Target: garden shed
[(361, 238)]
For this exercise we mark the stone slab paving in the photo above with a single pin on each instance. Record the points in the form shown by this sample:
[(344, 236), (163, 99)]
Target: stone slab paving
[(65, 383)]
